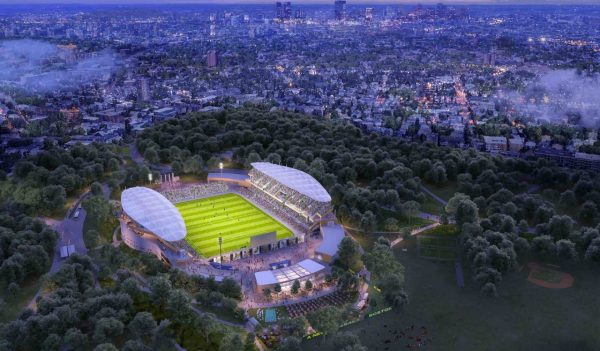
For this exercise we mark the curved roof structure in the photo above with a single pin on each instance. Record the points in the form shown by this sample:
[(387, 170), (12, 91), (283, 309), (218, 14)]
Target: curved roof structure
[(154, 212), (294, 179)]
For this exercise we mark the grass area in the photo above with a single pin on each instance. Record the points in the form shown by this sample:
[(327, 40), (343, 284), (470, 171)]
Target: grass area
[(230, 216), (15, 304), (431, 205), (438, 242), (448, 230), (523, 316), (547, 275)]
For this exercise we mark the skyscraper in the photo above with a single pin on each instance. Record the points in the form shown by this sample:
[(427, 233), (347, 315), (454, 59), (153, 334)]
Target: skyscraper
[(340, 10), (212, 59), (368, 14), (283, 10)]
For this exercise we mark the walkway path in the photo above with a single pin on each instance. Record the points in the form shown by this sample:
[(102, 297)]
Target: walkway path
[(415, 232), (433, 195)]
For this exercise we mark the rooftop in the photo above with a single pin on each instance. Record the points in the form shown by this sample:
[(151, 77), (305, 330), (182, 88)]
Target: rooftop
[(294, 179), (154, 212), (299, 270)]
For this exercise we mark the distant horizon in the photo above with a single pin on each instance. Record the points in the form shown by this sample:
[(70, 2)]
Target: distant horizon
[(302, 2)]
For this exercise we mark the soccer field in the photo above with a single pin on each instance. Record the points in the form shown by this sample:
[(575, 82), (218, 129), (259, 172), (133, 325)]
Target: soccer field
[(230, 216)]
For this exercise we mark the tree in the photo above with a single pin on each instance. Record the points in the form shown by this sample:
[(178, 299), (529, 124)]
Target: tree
[(106, 347), (290, 343), (96, 189), (249, 343), (232, 342), (292, 326), (107, 328), (295, 286), (52, 342), (53, 197), (134, 345), (411, 208), (308, 285), (588, 212), (592, 254), (142, 324), (452, 205), (159, 290), (267, 292), (75, 339), (543, 246), (326, 320), (566, 251), (560, 227), (230, 288), (466, 212), (489, 289), (349, 253), (151, 155)]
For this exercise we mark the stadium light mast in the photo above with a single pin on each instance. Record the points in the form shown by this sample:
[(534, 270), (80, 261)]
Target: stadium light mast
[(220, 252), (221, 168)]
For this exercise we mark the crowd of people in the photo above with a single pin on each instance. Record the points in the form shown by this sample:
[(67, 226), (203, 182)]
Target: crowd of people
[(337, 298), (196, 191), (281, 211)]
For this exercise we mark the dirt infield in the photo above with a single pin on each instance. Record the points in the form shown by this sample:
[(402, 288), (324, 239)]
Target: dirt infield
[(549, 278)]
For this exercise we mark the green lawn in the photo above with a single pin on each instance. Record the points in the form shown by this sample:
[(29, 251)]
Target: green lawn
[(523, 317), (229, 216)]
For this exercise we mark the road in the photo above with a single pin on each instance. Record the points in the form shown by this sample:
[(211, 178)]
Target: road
[(70, 231)]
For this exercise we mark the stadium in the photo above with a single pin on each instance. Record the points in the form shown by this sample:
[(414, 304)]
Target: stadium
[(232, 216)]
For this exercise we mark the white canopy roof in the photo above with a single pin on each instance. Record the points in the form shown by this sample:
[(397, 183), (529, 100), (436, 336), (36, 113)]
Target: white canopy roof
[(294, 179), (332, 237), (299, 270), (154, 212)]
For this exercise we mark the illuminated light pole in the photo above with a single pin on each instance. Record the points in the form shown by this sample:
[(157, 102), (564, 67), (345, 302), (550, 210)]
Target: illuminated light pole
[(220, 252), (150, 177), (221, 168)]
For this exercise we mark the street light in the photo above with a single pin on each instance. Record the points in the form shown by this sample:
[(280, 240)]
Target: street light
[(220, 252)]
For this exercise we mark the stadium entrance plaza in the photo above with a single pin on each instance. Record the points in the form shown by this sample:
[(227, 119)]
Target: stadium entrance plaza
[(243, 272)]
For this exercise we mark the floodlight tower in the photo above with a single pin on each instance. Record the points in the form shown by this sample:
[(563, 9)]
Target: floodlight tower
[(220, 252)]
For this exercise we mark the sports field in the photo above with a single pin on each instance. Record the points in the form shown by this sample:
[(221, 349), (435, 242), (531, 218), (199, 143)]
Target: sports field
[(229, 216)]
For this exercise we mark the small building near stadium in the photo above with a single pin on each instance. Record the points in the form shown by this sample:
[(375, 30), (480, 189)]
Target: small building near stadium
[(285, 277), (151, 223)]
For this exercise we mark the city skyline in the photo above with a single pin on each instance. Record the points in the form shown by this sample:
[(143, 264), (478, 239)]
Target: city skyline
[(305, 2)]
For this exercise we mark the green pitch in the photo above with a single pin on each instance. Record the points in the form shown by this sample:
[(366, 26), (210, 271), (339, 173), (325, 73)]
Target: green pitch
[(229, 216)]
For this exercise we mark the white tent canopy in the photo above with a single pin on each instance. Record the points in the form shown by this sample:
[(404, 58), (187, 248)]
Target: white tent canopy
[(284, 275), (294, 179), (154, 212)]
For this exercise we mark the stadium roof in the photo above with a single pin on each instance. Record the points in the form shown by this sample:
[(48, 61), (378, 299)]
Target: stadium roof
[(154, 212), (332, 237), (294, 179), (299, 270)]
